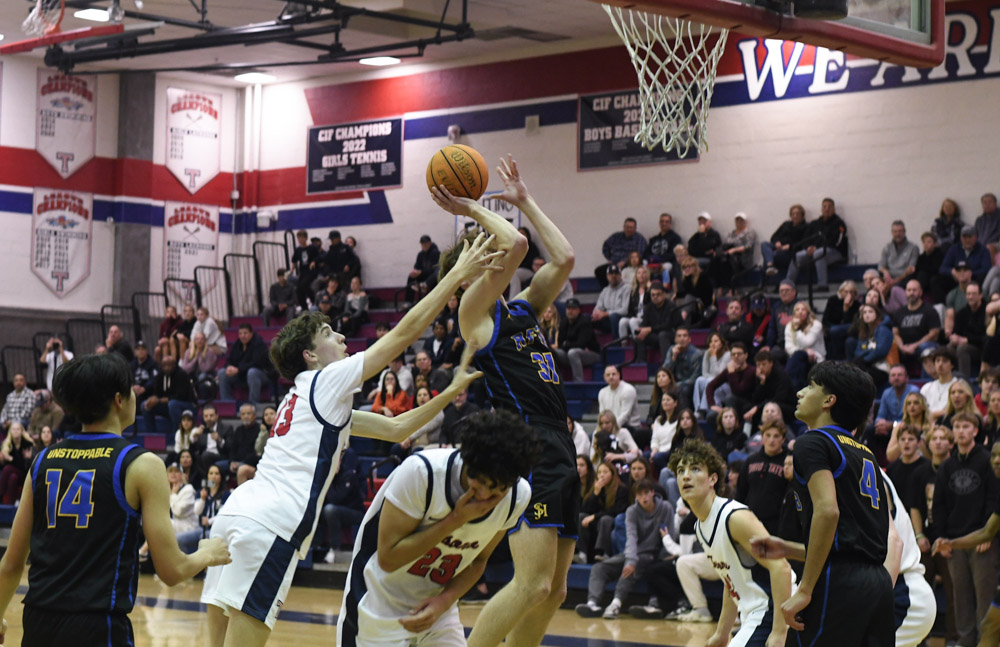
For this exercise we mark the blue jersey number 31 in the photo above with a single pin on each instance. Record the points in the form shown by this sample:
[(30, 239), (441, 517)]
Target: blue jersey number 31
[(546, 367)]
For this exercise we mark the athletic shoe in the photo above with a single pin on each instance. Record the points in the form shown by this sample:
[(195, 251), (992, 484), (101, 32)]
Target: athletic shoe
[(611, 613), (771, 270), (580, 558), (330, 557), (695, 615), (645, 612), (679, 611), (475, 596), (589, 610)]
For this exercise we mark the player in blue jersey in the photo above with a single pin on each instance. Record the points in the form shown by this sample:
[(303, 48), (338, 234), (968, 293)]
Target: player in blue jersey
[(521, 376), (80, 513)]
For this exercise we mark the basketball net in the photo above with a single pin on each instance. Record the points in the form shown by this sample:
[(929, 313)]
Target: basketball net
[(675, 61), (44, 18)]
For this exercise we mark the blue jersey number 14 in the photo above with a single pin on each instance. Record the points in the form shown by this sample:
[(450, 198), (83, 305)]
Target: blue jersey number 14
[(77, 502)]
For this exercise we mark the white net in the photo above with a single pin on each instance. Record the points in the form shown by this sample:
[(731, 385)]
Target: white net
[(675, 61), (44, 18)]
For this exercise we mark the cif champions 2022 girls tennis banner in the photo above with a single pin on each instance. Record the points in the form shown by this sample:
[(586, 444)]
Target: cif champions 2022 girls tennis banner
[(65, 133), (194, 136), (355, 157), (190, 238), (61, 226)]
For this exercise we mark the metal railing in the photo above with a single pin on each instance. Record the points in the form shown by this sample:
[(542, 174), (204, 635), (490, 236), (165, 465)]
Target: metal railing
[(150, 309), (84, 335), (270, 258), (245, 291), (290, 246), (24, 361), (214, 292)]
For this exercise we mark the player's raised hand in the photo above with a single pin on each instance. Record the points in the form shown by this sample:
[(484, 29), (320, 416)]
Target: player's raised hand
[(425, 615), (793, 606), (477, 257), (468, 508), (452, 203), (514, 189), (462, 377), (216, 550)]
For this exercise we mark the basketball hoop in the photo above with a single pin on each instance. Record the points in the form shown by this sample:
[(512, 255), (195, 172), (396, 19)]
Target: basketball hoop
[(676, 62), (44, 18)]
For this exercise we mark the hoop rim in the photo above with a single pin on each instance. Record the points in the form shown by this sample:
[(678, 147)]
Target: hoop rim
[(763, 23)]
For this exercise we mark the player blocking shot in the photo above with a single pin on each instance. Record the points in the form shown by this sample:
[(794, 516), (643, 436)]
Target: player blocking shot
[(270, 520), (724, 528), (521, 376), (79, 516), (425, 540), (852, 550)]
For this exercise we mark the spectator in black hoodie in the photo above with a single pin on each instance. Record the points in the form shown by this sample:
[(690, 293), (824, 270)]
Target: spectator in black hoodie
[(578, 345), (144, 369), (304, 263), (762, 482), (826, 243), (965, 494), (248, 365), (422, 276), (657, 326), (784, 242), (171, 394), (928, 264), (772, 385), (240, 451)]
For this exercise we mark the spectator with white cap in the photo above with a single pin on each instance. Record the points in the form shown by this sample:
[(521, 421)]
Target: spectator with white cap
[(705, 244)]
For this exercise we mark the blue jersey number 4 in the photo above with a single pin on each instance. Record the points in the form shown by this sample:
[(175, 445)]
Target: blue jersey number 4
[(77, 502), (869, 482)]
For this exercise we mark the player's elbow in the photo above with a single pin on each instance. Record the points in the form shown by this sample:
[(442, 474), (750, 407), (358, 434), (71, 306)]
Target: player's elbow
[(518, 247), (564, 259), (386, 562)]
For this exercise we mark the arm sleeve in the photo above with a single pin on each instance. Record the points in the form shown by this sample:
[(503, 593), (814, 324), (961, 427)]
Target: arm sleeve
[(631, 536)]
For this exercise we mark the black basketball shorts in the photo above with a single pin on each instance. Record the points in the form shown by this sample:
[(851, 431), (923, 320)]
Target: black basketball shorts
[(555, 484), (49, 628)]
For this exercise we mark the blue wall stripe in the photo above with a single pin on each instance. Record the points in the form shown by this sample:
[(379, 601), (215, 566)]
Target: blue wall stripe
[(492, 120)]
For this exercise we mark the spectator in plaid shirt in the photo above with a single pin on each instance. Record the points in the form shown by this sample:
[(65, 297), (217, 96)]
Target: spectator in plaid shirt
[(20, 402)]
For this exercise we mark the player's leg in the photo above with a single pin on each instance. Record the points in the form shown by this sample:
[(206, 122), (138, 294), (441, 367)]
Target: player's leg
[(534, 572), (755, 629), (245, 631), (217, 624)]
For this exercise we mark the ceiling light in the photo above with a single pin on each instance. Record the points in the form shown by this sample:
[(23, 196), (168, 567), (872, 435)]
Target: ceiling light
[(254, 77), (379, 61), (97, 15)]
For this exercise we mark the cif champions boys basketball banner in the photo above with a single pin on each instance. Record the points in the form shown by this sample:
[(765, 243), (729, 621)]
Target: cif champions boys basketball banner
[(61, 224), (190, 238), (355, 157), (65, 133), (194, 142)]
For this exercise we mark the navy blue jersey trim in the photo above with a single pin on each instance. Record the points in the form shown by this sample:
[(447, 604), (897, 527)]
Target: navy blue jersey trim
[(315, 411), (116, 481), (267, 582), (329, 441), (900, 600), (715, 526), (430, 482), (506, 383), (759, 636), (448, 495), (92, 436), (527, 306), (513, 502), (740, 552), (118, 561), (34, 469), (356, 587)]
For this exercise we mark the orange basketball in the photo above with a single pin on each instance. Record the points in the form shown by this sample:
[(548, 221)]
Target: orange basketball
[(462, 170)]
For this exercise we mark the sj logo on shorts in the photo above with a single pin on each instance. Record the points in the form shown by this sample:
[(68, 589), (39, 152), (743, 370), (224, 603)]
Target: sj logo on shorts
[(541, 511)]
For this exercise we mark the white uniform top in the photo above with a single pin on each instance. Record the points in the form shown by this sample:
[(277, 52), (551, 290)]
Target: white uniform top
[(747, 582), (425, 486), (310, 432), (910, 559)]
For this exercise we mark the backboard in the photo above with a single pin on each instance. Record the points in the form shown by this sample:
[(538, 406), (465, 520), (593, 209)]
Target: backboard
[(906, 32), (57, 37)]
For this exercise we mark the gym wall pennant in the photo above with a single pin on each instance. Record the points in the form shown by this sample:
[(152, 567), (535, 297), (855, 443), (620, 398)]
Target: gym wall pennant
[(190, 238), (61, 228), (194, 142), (65, 133)]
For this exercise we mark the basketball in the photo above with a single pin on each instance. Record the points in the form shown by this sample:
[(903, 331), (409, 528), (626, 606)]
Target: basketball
[(462, 170)]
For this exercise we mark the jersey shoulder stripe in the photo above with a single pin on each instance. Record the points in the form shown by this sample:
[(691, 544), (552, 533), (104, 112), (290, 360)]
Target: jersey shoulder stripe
[(430, 481)]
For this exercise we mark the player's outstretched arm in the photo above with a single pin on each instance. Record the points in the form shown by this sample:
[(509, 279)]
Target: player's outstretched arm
[(475, 259), (398, 428), (399, 541), (744, 526), (146, 489), (549, 280), (769, 547), (426, 614), (971, 540), (14, 559)]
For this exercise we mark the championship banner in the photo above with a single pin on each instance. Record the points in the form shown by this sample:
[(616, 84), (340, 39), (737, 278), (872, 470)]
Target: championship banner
[(607, 127), (61, 225), (66, 133), (190, 238), (355, 157), (194, 142)]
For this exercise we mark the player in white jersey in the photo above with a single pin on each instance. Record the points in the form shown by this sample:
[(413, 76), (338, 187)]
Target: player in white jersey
[(269, 521), (914, 603), (427, 536), (724, 529)]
